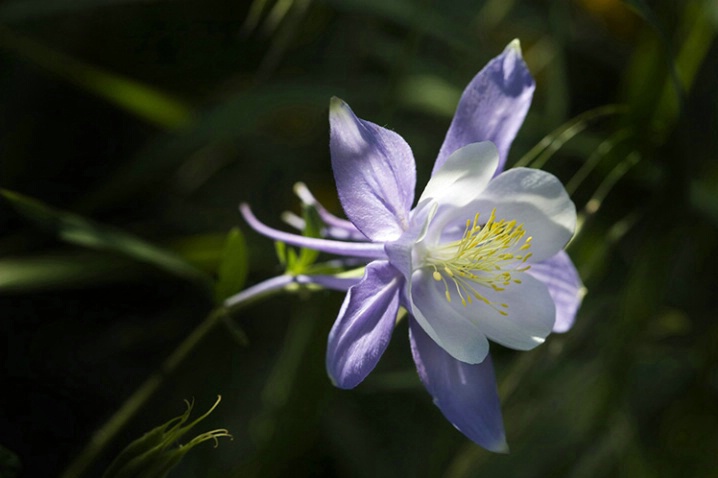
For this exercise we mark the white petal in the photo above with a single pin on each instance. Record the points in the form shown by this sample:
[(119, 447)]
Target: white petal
[(401, 251), (531, 314), (464, 175), (456, 333), (535, 199), (462, 330)]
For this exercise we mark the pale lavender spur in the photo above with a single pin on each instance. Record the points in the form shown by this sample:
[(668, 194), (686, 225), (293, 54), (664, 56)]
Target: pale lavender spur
[(479, 258)]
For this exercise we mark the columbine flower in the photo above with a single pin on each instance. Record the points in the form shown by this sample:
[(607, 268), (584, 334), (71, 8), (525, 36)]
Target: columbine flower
[(479, 258)]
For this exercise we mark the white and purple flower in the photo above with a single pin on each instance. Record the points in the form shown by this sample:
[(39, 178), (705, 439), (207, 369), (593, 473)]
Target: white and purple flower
[(478, 258)]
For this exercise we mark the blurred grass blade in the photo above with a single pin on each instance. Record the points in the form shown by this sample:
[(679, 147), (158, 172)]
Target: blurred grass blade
[(278, 13), (79, 231), (671, 60), (597, 245), (253, 16), (62, 271), (542, 152), (282, 379), (603, 150), (282, 26), (130, 95), (611, 179), (645, 11), (233, 267), (700, 31)]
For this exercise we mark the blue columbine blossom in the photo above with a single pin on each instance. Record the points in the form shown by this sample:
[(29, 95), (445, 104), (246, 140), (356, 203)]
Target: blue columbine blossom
[(478, 258)]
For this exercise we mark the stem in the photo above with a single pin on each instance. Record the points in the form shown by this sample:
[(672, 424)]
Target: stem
[(257, 292), (107, 432)]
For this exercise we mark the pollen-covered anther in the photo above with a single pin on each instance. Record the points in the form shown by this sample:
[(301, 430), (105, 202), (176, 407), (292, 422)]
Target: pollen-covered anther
[(487, 255)]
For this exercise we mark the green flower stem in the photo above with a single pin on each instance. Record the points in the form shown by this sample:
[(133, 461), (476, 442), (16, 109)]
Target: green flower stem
[(107, 432)]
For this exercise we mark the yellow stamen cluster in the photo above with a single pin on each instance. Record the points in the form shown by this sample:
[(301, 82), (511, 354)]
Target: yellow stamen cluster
[(487, 255)]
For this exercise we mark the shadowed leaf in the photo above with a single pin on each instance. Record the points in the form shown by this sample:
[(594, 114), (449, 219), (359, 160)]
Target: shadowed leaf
[(79, 231), (233, 267)]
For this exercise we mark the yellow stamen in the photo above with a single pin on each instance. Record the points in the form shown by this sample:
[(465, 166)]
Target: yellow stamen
[(487, 255)]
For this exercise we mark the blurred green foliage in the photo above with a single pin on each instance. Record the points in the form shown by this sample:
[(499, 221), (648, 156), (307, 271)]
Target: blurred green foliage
[(131, 130)]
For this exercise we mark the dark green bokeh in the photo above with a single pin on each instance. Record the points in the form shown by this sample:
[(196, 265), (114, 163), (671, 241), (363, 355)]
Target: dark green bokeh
[(146, 123)]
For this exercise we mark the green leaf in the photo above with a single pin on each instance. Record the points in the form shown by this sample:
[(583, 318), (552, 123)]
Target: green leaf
[(79, 231), (292, 260), (203, 251), (280, 248), (312, 228), (233, 267), (300, 261)]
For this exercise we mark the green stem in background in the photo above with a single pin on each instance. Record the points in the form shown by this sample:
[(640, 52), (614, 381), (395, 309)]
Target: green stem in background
[(107, 432)]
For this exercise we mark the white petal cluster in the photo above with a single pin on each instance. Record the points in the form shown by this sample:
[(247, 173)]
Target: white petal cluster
[(472, 239)]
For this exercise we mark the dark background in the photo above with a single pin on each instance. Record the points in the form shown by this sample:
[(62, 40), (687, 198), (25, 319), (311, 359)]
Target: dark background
[(156, 118)]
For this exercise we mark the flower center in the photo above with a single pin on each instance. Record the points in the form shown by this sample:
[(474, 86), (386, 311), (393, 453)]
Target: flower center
[(487, 255)]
